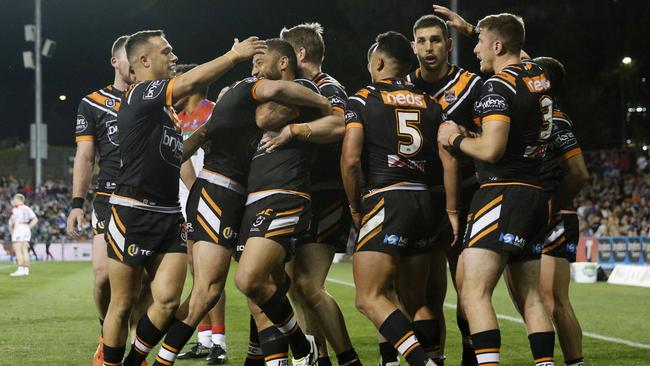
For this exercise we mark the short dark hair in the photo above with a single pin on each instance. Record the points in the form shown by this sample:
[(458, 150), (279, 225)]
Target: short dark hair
[(119, 43), (396, 46), (509, 26), (139, 38), (310, 37), (554, 72), (284, 49), (430, 21)]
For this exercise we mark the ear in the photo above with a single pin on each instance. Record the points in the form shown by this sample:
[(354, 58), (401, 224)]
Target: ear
[(381, 63), (302, 53), (498, 48), (284, 62), (114, 62), (415, 52), (449, 44), (144, 61)]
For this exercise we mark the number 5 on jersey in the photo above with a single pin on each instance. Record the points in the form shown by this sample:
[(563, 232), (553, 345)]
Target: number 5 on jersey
[(407, 127)]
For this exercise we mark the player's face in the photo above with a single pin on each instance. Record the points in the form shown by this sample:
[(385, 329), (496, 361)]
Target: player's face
[(484, 50), (162, 59), (267, 65), (121, 64), (431, 47)]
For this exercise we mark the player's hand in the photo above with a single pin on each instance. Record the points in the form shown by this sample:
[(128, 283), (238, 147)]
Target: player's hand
[(356, 220), (446, 129), (326, 107), (454, 20), (247, 48), (273, 140), (75, 220), (453, 219)]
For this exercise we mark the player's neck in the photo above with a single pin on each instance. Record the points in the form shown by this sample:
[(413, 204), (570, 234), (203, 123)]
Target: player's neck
[(502, 62), (192, 102), (119, 83), (432, 76), (309, 70)]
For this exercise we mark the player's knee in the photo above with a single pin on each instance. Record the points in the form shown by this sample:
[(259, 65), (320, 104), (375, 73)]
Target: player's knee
[(121, 306), (247, 282), (166, 304), (305, 288)]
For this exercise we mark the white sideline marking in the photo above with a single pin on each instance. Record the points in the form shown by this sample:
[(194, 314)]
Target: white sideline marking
[(518, 320)]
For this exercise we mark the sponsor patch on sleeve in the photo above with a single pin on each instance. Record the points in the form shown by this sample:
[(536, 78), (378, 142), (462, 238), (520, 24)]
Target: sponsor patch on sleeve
[(82, 124)]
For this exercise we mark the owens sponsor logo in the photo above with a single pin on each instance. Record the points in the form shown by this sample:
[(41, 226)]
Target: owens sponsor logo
[(404, 98), (492, 102)]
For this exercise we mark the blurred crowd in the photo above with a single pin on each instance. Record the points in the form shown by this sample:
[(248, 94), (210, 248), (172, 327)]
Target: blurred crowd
[(51, 204), (616, 202)]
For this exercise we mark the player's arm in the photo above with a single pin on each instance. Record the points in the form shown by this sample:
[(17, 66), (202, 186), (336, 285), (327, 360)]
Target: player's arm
[(205, 74), (288, 93), (272, 116), (188, 175), (454, 20), (82, 173), (451, 183), (351, 167), (194, 142), (12, 221), (489, 146), (575, 177), (33, 222)]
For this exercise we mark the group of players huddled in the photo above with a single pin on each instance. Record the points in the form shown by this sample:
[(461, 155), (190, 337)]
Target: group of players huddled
[(427, 166)]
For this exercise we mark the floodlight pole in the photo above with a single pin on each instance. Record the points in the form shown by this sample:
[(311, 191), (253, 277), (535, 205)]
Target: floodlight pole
[(38, 102), (454, 35)]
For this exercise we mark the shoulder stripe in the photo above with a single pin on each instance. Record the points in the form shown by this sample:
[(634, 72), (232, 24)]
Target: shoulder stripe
[(362, 93), (109, 95), (466, 92), (510, 79), (504, 83), (358, 100), (102, 108), (447, 86)]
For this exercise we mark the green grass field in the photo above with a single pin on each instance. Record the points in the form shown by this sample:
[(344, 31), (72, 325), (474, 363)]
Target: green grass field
[(48, 318)]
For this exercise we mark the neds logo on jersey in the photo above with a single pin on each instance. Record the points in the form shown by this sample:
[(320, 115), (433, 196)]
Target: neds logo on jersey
[(171, 146), (403, 98)]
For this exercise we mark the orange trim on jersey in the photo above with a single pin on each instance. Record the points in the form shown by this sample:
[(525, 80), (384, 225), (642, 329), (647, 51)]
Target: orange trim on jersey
[(458, 88), (279, 232), (214, 206), (495, 117), (559, 114), (354, 125), (254, 90), (488, 206), (510, 184), (103, 193), (510, 79), (338, 110), (362, 93), (207, 229), (370, 235), (84, 138), (571, 153), (374, 210), (98, 98), (118, 220), (115, 248), (289, 212), (169, 94), (482, 234)]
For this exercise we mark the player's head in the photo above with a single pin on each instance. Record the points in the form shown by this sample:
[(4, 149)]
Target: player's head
[(431, 42), (150, 55), (18, 199), (500, 35), (119, 61), (390, 56), (277, 62), (554, 71), (307, 41)]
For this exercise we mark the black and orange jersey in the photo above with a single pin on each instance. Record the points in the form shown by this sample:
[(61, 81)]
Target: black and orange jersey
[(232, 134), (562, 146), (517, 95), (287, 168), (151, 148), (456, 93), (326, 171), (97, 122), (400, 125)]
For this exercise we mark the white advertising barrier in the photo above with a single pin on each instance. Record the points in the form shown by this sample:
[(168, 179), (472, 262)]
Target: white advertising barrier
[(631, 275), (584, 272), (76, 251)]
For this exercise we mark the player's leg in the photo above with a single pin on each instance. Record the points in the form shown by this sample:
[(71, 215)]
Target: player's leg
[(217, 318), (274, 345), (468, 357), (17, 247), (141, 305), (436, 291), (524, 277), (101, 288), (25, 249), (482, 269), (554, 287)]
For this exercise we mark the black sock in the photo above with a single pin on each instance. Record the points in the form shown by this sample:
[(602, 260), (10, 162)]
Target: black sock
[(351, 358), (397, 330), (542, 344), (275, 347), (387, 352), (279, 311), (113, 355), (428, 334), (324, 361), (577, 362), (146, 338), (468, 357), (487, 346), (254, 356), (178, 335)]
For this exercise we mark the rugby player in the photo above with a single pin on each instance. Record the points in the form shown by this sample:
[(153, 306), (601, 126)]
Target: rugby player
[(508, 214), (564, 172), (21, 223), (391, 140), (146, 229), (278, 212), (328, 232), (456, 90), (96, 135)]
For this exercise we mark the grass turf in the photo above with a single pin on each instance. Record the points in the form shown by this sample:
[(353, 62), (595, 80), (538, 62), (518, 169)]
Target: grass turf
[(48, 318)]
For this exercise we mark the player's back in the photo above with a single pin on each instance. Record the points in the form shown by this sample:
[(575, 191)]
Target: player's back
[(400, 126), (518, 95), (563, 145), (23, 214)]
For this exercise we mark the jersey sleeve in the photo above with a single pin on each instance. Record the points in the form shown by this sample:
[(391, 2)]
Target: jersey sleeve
[(30, 213), (354, 109), (148, 95), (563, 138), (336, 96), (495, 102), (85, 126)]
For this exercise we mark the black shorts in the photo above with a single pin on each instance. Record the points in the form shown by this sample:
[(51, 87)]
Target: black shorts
[(101, 212), (134, 236), (214, 214), (330, 219), (283, 218), (508, 218), (398, 222), (562, 236)]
